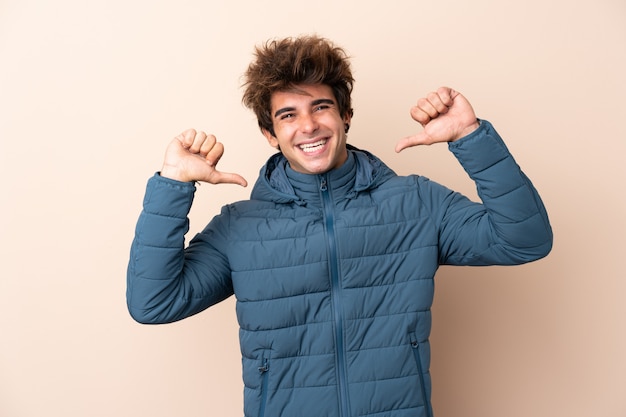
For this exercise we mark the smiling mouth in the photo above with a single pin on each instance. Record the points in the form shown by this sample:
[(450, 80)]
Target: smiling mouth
[(312, 147)]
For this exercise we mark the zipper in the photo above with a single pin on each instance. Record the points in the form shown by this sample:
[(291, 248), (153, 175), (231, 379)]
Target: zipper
[(416, 353), (329, 220), (263, 370)]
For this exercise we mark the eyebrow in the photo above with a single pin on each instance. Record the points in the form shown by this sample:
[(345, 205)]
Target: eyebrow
[(313, 104)]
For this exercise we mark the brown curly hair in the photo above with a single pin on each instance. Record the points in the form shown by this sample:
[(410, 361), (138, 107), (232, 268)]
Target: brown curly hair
[(279, 65)]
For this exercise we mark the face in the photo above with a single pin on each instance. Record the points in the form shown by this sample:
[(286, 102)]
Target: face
[(309, 129)]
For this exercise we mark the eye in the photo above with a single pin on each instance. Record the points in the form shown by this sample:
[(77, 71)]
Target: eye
[(321, 107), (286, 116)]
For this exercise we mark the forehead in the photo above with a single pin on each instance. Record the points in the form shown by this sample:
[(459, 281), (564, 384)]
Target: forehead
[(301, 94)]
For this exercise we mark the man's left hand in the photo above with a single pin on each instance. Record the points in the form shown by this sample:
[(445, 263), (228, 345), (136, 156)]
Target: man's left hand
[(445, 116)]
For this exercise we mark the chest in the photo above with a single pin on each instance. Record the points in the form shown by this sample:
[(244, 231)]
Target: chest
[(287, 251)]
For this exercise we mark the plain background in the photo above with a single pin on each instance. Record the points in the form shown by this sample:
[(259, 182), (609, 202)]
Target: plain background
[(91, 92)]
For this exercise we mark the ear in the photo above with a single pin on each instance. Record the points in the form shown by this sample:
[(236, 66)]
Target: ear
[(271, 139), (346, 122)]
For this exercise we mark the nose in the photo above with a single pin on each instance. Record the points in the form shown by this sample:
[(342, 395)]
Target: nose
[(308, 123)]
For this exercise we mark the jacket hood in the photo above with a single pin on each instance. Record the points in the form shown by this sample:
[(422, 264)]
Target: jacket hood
[(278, 183)]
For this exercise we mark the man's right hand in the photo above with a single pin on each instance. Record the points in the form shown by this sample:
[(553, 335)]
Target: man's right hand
[(193, 156)]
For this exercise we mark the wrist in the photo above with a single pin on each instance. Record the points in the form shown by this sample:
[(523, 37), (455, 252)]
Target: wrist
[(469, 129), (173, 173)]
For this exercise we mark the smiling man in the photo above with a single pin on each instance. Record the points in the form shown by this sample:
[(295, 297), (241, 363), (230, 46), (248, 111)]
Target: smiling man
[(332, 259), (309, 129)]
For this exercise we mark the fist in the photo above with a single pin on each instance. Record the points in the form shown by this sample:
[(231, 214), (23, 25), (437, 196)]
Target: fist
[(445, 116), (193, 156)]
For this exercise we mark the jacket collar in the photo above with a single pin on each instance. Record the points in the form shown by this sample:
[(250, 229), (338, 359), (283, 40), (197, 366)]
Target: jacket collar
[(277, 182)]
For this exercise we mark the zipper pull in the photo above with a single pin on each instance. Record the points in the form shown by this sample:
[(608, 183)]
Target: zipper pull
[(265, 367), (323, 185)]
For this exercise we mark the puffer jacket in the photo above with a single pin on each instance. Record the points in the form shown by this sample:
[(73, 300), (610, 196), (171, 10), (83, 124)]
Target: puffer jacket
[(333, 273)]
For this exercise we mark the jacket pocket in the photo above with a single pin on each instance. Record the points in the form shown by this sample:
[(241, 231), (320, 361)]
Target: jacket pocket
[(415, 347), (264, 373)]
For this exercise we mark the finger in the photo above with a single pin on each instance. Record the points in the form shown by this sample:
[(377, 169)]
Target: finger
[(207, 145), (214, 155), (218, 177), (198, 140), (186, 137), (415, 140), (420, 116), (447, 95), (441, 102), (228, 178), (427, 107)]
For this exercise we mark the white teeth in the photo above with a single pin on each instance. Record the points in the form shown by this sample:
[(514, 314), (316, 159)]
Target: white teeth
[(312, 147)]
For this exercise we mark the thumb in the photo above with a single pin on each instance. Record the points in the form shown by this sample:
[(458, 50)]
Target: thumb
[(219, 177), (420, 138)]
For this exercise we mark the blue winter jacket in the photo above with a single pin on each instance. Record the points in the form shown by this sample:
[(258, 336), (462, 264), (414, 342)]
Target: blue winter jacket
[(333, 273)]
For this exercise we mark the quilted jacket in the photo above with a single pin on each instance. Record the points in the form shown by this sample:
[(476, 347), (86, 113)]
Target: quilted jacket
[(333, 273)]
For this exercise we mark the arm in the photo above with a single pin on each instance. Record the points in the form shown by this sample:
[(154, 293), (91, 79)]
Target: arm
[(511, 225), (166, 282)]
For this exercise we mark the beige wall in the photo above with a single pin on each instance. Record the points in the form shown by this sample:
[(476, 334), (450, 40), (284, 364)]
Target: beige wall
[(92, 91)]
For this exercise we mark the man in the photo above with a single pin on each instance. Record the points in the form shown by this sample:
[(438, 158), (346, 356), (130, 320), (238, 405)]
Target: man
[(332, 259)]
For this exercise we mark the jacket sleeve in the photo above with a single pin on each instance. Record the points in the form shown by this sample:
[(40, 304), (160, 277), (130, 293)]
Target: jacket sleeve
[(511, 225), (165, 281)]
